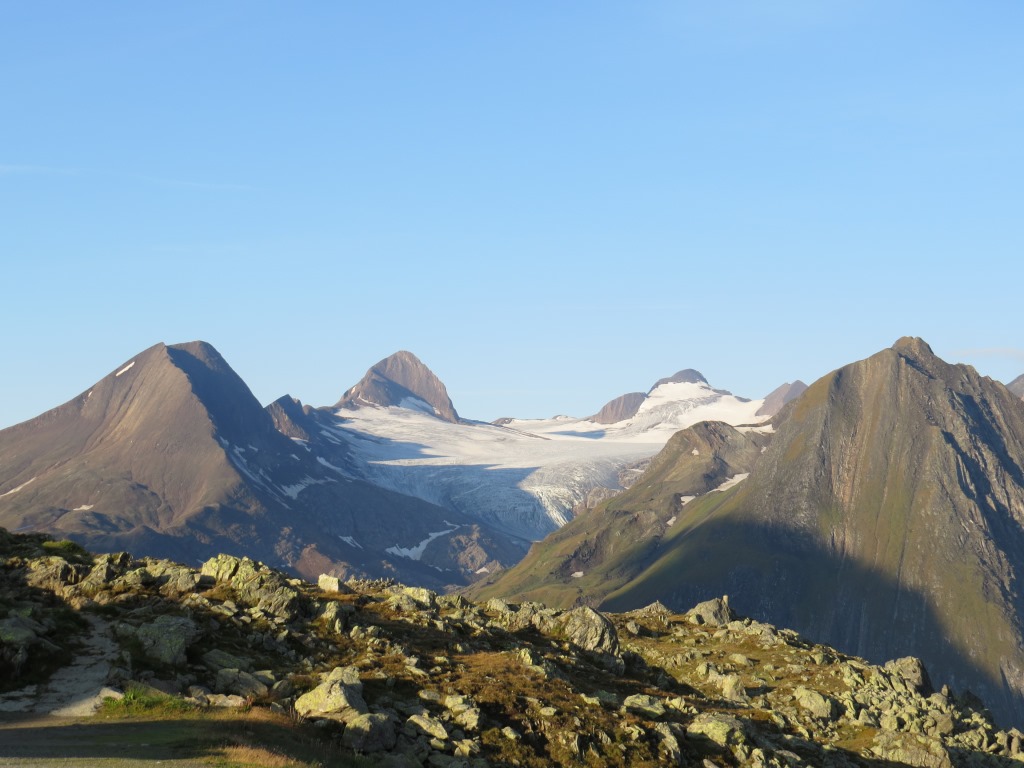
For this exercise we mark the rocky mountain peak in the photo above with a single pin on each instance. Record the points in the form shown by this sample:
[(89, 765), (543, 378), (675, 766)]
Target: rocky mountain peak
[(685, 376), (401, 380), (1017, 386), (913, 346)]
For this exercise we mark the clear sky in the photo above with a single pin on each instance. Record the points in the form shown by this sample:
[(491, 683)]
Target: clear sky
[(549, 203)]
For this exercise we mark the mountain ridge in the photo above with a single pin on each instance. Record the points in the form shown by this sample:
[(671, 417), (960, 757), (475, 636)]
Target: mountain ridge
[(895, 484)]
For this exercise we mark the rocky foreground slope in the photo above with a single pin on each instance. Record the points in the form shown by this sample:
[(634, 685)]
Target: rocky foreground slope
[(410, 678)]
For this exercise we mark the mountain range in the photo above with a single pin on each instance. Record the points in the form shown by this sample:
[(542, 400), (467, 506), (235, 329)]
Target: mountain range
[(884, 514), (171, 455)]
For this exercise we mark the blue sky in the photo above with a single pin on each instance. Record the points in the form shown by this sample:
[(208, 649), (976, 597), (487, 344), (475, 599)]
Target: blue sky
[(549, 203)]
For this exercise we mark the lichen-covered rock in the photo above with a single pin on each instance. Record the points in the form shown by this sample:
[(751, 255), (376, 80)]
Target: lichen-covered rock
[(910, 749), (217, 660), (240, 683), (423, 598), (370, 733), (714, 613), (430, 726), (166, 639), (256, 585), (339, 697), (816, 704), (724, 730), (590, 631), (642, 704), (911, 671)]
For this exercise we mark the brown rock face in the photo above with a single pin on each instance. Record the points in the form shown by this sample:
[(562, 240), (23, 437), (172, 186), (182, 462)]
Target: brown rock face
[(620, 409), (1017, 386), (400, 380), (781, 396)]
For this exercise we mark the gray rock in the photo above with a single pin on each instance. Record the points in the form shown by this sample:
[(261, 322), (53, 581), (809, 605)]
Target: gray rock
[(590, 631), (816, 704), (642, 704), (430, 726), (714, 613), (724, 730), (912, 672), (370, 733), (339, 697), (166, 639), (255, 585), (732, 689), (240, 683), (329, 583), (217, 659), (423, 598)]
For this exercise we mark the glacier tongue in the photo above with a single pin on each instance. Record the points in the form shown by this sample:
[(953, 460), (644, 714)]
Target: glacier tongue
[(524, 477)]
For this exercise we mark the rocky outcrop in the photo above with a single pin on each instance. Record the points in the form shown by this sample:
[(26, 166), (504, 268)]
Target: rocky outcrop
[(406, 677)]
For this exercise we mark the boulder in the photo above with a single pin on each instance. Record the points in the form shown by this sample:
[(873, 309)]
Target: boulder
[(166, 639), (589, 630), (370, 733), (644, 705), (724, 730), (816, 704), (714, 613), (912, 672), (240, 683), (256, 585), (331, 584), (339, 697)]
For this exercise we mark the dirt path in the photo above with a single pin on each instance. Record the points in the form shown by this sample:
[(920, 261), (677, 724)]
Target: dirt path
[(76, 690)]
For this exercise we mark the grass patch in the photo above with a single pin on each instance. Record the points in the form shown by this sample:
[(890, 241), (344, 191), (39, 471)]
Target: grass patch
[(69, 550), (140, 699)]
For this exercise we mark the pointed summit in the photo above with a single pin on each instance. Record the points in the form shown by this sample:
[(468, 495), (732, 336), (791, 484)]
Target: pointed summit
[(403, 381), (780, 396), (686, 376), (1017, 386)]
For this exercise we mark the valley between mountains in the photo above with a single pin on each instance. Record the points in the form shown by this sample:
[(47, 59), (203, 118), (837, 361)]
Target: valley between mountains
[(880, 510)]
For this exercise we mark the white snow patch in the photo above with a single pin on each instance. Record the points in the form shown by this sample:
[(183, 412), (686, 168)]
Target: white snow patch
[(577, 574), (695, 452), (328, 464), (301, 442), (293, 491), (294, 456), (415, 404), (15, 490), (684, 500), (351, 542), (83, 508), (483, 569), (415, 553), (763, 429), (671, 520), (734, 480), (125, 369)]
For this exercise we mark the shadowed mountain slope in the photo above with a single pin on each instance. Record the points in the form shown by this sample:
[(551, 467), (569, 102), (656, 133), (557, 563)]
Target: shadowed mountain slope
[(603, 549), (887, 514), (781, 396), (401, 380)]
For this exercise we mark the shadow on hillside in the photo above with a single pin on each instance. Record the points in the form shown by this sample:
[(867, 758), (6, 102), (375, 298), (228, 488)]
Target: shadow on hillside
[(784, 577), (200, 737)]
